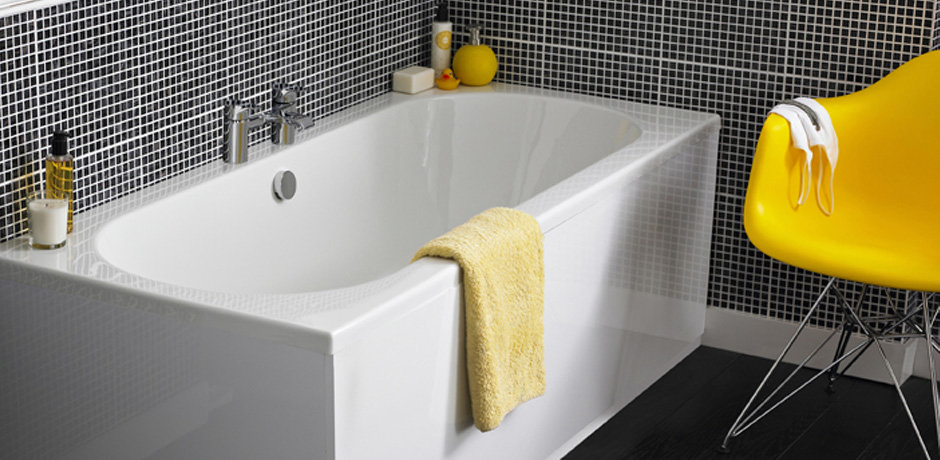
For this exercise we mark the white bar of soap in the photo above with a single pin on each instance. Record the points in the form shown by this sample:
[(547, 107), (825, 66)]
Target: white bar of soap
[(413, 79)]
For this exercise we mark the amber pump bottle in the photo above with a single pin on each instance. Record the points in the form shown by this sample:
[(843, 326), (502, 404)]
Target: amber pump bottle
[(60, 168)]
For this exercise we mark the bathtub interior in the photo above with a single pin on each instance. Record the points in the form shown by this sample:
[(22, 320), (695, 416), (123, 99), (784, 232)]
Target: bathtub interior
[(374, 190)]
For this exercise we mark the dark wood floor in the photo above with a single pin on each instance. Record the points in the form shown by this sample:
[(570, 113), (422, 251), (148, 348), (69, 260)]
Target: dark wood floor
[(687, 412)]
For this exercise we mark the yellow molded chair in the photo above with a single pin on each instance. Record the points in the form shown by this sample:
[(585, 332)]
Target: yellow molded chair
[(884, 228)]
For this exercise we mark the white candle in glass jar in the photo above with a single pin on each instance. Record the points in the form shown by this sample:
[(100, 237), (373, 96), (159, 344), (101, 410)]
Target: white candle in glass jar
[(48, 222)]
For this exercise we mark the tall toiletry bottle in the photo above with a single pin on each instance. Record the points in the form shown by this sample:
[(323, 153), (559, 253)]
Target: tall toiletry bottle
[(60, 172), (475, 64), (441, 36)]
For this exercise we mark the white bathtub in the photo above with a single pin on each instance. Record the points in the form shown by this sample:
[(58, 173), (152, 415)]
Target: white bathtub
[(204, 318)]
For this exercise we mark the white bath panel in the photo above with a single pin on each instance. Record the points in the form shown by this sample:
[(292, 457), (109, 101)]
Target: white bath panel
[(205, 318)]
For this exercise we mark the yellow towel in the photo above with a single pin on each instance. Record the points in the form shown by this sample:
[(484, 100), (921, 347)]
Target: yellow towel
[(500, 253)]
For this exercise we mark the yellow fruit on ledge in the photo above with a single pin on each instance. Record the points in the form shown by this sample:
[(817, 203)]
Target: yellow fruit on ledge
[(475, 64)]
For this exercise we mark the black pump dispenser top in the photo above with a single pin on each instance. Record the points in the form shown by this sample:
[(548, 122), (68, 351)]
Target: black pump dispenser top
[(60, 143), (442, 15)]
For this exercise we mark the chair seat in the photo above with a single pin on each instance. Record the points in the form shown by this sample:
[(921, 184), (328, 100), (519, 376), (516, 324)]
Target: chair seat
[(884, 228)]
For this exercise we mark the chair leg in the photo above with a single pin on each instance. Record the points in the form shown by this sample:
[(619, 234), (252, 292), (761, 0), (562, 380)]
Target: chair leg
[(840, 349), (894, 379), (847, 328), (749, 416), (752, 413), (929, 347)]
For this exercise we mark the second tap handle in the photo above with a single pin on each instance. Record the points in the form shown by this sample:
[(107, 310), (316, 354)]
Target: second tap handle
[(286, 93)]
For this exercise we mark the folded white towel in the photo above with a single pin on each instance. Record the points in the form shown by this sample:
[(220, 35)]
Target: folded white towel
[(811, 126), (799, 137)]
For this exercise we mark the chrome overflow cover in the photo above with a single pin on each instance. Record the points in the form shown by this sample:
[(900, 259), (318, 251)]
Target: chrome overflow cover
[(285, 185)]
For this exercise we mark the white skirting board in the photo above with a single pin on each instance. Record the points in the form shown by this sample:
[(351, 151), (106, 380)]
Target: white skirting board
[(766, 337), (921, 365)]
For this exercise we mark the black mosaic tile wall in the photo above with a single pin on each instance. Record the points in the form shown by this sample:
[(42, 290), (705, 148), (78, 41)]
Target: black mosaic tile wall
[(140, 83), (733, 58)]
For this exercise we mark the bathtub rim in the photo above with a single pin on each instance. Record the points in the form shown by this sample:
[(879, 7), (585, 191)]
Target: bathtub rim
[(78, 268)]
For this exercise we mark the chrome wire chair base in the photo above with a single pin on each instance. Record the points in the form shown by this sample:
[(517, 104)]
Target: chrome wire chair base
[(917, 321)]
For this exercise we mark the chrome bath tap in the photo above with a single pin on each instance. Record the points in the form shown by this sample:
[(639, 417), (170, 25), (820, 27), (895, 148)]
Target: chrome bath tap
[(286, 119), (241, 117)]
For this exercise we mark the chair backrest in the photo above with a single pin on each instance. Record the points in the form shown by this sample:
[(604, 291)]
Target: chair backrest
[(886, 184)]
